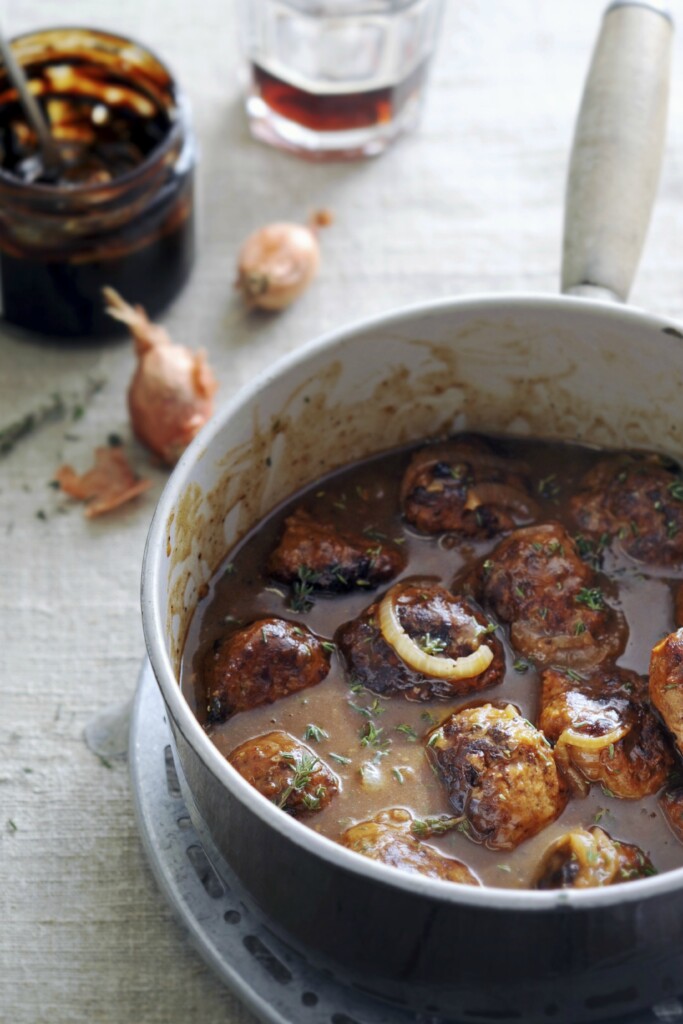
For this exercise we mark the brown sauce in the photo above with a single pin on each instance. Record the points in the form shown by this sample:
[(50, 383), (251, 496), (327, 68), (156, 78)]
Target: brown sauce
[(365, 497)]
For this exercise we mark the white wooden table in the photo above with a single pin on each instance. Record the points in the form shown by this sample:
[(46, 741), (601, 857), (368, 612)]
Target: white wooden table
[(470, 203)]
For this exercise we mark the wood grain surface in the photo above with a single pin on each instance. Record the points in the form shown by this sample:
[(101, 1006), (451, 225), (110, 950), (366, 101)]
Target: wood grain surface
[(471, 202)]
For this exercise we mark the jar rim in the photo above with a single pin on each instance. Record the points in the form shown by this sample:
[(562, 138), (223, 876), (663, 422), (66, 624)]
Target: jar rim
[(178, 116)]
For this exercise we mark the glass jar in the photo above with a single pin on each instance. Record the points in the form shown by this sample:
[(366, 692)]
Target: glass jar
[(120, 212)]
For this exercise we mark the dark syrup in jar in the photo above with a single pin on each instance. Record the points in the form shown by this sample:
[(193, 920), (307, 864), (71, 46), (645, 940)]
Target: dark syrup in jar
[(336, 111), (119, 209)]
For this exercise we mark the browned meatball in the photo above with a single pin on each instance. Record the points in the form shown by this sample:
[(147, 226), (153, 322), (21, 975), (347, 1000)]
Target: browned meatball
[(464, 487), (286, 772), (604, 731), (671, 803), (637, 499), (388, 838), (259, 664), (666, 683), (585, 859), (439, 624), (327, 558), (499, 772), (536, 581)]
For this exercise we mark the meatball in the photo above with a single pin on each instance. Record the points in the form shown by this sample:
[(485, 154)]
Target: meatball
[(286, 772), (327, 558), (438, 624), (536, 581), (462, 486), (585, 859), (268, 659), (637, 499), (671, 802), (666, 683), (604, 731), (499, 772), (388, 838)]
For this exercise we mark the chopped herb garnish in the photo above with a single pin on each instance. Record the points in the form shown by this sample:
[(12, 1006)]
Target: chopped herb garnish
[(676, 490), (575, 676), (427, 716), (519, 591), (339, 758), (434, 738), (274, 590), (264, 634), (487, 566), (671, 528), (432, 644), (305, 767), (422, 828), (591, 597), (579, 628), (520, 665), (408, 731), (302, 588), (398, 775), (504, 867), (314, 732), (328, 646), (229, 569), (312, 801), (371, 736)]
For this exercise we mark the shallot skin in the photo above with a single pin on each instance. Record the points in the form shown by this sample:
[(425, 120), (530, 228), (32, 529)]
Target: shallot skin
[(276, 264), (170, 396)]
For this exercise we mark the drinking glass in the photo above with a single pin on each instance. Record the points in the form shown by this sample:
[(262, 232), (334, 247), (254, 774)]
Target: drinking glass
[(334, 79)]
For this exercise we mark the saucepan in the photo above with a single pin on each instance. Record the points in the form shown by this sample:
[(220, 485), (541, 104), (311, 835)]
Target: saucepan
[(570, 367)]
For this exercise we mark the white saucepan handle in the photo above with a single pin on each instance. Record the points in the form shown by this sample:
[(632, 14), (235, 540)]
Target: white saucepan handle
[(617, 151)]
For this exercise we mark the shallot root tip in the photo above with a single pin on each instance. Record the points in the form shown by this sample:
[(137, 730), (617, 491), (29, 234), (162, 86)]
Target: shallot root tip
[(145, 333)]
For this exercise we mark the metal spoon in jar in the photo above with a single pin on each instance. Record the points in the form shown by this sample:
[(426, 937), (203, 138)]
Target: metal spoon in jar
[(48, 164)]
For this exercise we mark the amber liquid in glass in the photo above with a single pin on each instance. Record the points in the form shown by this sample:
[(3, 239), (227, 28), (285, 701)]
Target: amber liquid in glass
[(336, 111)]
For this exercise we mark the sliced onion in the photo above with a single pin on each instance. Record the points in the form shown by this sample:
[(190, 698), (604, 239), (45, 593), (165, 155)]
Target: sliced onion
[(503, 495), (572, 738), (597, 857), (428, 664)]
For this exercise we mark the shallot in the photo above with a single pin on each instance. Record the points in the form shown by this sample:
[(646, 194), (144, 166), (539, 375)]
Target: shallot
[(171, 394), (109, 483), (279, 261)]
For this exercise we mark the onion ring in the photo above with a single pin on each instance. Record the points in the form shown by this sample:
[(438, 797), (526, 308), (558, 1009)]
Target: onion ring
[(571, 738), (428, 664)]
